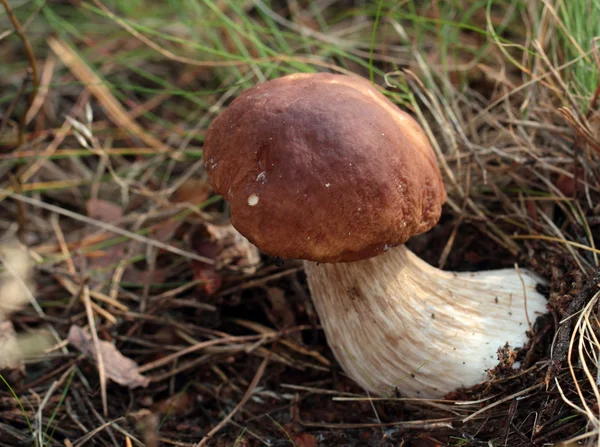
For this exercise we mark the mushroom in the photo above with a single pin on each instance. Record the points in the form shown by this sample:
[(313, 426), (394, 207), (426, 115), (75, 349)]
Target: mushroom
[(324, 168)]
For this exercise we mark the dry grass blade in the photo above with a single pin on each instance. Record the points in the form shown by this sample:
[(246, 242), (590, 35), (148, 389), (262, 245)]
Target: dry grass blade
[(429, 424), (555, 239), (85, 439), (105, 226), (197, 347), (230, 63), (587, 345), (102, 93), (46, 79), (97, 352), (501, 401), (581, 128)]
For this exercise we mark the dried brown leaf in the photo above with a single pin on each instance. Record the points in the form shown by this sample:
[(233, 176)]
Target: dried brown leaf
[(179, 404), (193, 191), (305, 440), (108, 212), (147, 424), (209, 279), (137, 276), (103, 210), (227, 247), (164, 231), (119, 368), (235, 248), (281, 313)]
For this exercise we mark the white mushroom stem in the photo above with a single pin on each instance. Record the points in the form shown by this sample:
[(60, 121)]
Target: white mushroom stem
[(395, 322)]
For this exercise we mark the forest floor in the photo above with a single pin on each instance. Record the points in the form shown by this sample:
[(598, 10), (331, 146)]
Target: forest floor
[(112, 241)]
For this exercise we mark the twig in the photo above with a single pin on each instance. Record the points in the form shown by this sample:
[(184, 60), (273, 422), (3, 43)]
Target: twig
[(84, 439), (62, 243), (501, 401), (197, 347), (106, 226)]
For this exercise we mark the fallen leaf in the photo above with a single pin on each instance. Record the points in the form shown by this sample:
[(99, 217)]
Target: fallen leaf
[(108, 212), (119, 368), (235, 248), (139, 277), (227, 247), (281, 313), (193, 191), (164, 231), (97, 261), (306, 440), (147, 424), (209, 278), (103, 210), (570, 185), (179, 404), (566, 185), (532, 210)]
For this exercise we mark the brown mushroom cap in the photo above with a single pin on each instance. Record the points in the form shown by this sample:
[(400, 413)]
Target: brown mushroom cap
[(323, 167)]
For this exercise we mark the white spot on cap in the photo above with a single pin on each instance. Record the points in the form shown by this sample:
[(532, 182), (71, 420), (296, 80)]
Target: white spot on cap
[(262, 177), (252, 199), (327, 185)]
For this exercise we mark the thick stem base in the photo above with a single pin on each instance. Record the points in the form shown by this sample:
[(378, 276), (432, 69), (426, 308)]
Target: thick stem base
[(396, 323)]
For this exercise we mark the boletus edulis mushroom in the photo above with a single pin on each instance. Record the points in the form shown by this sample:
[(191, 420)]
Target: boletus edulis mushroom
[(324, 168)]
